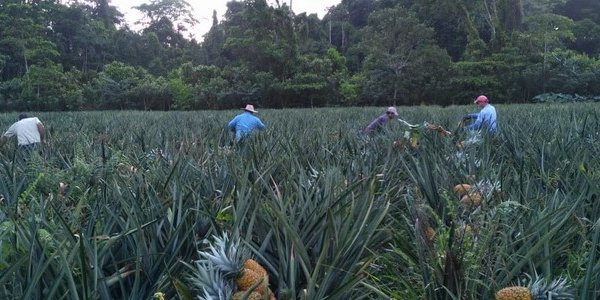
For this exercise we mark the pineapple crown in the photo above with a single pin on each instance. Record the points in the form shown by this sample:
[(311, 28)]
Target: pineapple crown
[(226, 255), (211, 283), (558, 289)]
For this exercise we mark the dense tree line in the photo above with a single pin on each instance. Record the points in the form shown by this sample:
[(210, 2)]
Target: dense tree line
[(82, 55)]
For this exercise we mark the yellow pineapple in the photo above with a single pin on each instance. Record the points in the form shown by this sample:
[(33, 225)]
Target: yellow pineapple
[(250, 278), (255, 266), (468, 229), (414, 142), (430, 234), (462, 189), (252, 296), (473, 199), (539, 289), (514, 293)]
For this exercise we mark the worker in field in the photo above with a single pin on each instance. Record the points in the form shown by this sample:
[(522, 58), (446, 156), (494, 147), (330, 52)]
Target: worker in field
[(30, 133), (381, 121), (245, 123), (485, 120)]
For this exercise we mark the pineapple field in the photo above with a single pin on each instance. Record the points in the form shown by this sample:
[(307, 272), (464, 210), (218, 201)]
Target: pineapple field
[(163, 205)]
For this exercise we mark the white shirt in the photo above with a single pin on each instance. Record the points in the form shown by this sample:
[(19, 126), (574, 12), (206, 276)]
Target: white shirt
[(26, 131)]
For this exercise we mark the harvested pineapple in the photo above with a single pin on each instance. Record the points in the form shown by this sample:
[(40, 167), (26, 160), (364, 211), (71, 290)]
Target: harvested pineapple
[(538, 289)]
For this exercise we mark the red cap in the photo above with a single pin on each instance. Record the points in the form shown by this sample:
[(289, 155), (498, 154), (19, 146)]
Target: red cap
[(481, 98)]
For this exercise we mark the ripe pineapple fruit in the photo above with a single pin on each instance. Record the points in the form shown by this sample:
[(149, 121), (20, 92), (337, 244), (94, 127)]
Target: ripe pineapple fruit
[(472, 199), (414, 142), (430, 234), (255, 266), (461, 189), (514, 293), (248, 278), (539, 289), (252, 296)]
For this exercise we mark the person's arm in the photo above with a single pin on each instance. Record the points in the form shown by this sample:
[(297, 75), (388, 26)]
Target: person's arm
[(260, 125), (8, 134), (476, 125), (42, 130), (232, 124), (471, 116)]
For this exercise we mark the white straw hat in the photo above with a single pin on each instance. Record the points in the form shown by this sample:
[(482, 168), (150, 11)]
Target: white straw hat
[(250, 108)]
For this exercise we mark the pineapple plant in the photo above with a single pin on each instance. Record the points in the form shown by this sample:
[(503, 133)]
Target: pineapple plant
[(538, 289)]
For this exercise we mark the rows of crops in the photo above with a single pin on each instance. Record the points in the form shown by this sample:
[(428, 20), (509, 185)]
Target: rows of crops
[(120, 204)]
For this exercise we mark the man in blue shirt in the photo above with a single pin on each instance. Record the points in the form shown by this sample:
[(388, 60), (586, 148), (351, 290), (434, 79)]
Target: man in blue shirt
[(485, 119), (245, 123)]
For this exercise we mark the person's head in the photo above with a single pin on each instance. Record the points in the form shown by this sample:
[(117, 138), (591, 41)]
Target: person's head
[(23, 116), (391, 112), (482, 101), (250, 108)]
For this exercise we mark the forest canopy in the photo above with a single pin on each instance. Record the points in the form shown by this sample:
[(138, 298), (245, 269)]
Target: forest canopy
[(83, 56)]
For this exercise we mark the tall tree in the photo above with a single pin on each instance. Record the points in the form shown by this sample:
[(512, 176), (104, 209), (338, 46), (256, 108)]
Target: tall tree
[(260, 37), (398, 47), (212, 45), (102, 10), (178, 12), (22, 36)]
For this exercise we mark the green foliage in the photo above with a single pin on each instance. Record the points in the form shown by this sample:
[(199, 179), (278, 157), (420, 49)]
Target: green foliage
[(563, 98), (47, 87), (587, 37), (182, 93), (361, 52), (350, 91)]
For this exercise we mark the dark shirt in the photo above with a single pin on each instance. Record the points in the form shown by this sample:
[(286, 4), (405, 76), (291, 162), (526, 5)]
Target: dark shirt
[(377, 124)]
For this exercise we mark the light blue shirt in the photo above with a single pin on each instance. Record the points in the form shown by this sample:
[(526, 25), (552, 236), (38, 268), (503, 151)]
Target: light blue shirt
[(244, 124), (486, 118)]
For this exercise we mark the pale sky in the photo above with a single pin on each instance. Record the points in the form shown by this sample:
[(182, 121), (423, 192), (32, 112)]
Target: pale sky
[(203, 10)]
